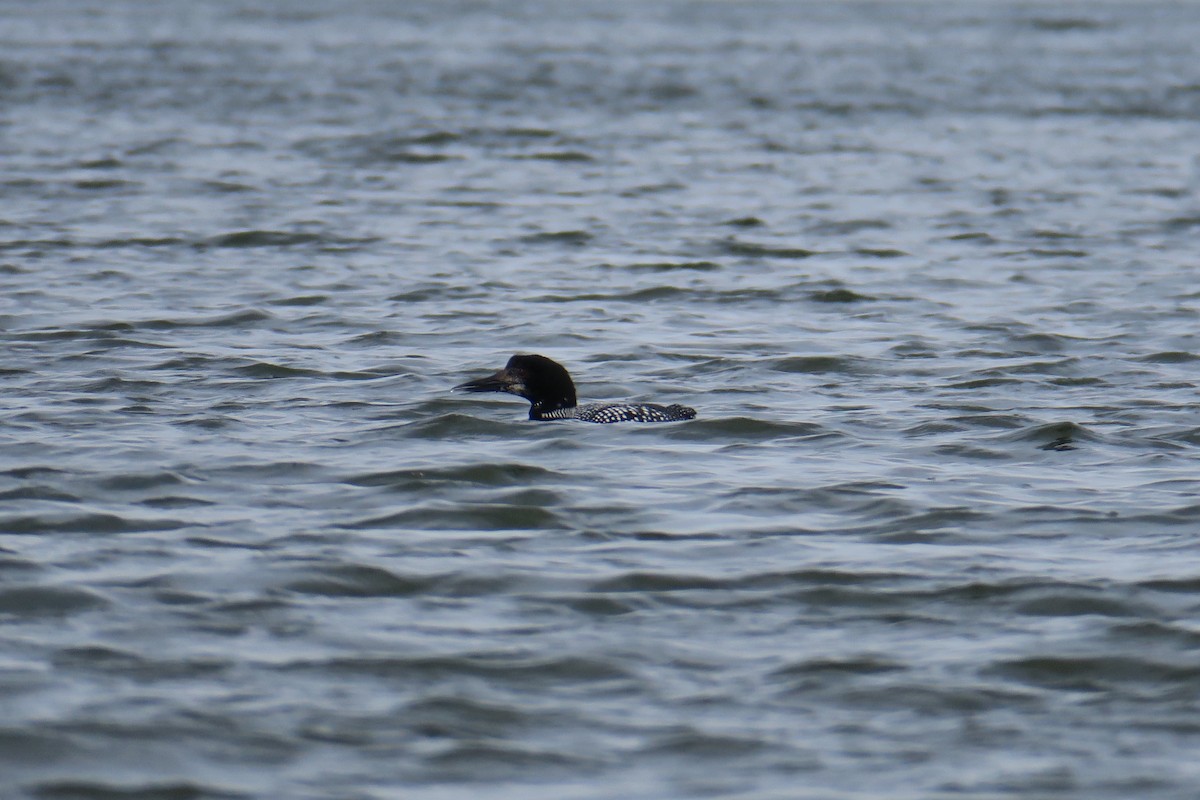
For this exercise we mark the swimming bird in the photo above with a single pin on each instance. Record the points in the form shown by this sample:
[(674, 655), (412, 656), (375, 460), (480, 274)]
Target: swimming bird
[(551, 394)]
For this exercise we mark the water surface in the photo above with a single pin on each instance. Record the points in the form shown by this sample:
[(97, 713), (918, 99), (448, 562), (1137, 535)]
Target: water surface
[(925, 270)]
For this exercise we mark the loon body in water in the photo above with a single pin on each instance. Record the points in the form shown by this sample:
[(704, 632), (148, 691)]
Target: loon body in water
[(548, 387)]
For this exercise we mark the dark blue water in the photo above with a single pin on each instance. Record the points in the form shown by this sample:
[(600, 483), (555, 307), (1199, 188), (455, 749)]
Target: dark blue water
[(926, 271)]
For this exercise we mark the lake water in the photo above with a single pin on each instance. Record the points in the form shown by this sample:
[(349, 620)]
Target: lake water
[(927, 271)]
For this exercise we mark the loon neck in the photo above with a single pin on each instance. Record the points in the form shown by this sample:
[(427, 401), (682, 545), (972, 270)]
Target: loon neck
[(552, 409)]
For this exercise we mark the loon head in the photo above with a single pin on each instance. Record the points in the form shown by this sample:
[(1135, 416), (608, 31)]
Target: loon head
[(544, 383)]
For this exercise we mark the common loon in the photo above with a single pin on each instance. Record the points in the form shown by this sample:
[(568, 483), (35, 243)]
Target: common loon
[(548, 387)]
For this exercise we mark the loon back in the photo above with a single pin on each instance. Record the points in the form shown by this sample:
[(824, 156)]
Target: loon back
[(623, 412), (548, 387)]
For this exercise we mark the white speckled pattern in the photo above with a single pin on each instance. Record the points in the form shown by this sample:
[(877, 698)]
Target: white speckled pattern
[(598, 412)]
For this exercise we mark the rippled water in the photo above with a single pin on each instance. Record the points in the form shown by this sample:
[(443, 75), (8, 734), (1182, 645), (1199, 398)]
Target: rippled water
[(927, 272)]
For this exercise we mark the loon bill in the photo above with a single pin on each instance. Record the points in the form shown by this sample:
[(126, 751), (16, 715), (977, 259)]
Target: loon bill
[(551, 393)]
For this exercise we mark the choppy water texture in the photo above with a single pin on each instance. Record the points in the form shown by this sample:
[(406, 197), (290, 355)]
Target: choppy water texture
[(927, 271)]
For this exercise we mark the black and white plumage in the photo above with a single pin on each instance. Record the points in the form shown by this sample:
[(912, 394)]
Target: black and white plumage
[(551, 394), (622, 412)]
